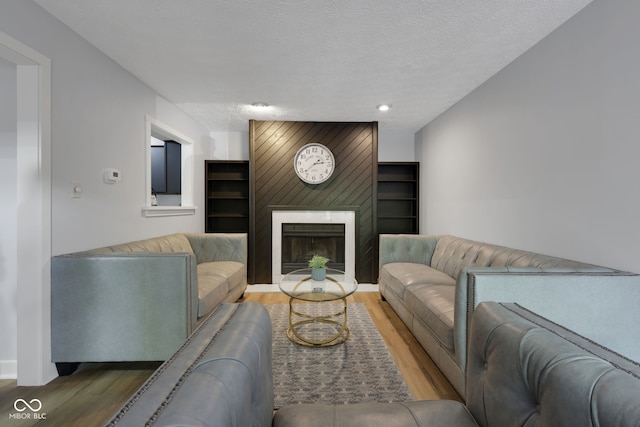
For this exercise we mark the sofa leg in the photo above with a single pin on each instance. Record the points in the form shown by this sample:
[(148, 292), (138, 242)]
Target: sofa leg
[(382, 297), (66, 368)]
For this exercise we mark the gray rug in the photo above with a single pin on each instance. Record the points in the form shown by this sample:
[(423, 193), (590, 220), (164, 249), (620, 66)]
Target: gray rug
[(358, 370)]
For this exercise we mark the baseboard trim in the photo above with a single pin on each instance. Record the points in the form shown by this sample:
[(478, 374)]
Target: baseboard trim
[(8, 369), (362, 287)]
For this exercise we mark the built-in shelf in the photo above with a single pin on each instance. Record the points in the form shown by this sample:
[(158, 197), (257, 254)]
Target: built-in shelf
[(397, 199), (227, 196)]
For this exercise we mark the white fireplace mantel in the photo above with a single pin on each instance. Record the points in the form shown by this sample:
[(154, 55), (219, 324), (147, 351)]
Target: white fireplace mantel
[(279, 217)]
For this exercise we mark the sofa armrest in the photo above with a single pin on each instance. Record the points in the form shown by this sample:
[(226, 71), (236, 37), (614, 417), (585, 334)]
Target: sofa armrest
[(209, 247), (525, 370), (221, 376), (121, 307), (415, 248), (573, 298)]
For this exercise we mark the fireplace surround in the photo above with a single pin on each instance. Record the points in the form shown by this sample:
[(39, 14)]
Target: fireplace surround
[(292, 219)]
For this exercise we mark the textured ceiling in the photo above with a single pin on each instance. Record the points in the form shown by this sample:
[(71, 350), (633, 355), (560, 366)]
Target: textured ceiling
[(313, 60)]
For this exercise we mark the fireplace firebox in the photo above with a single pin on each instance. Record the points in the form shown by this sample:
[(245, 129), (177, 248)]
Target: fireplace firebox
[(300, 241)]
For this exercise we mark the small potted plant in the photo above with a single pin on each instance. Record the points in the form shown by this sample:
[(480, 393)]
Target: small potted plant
[(318, 266)]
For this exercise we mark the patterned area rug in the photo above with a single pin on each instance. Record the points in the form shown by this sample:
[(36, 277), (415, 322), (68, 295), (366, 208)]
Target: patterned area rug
[(358, 370)]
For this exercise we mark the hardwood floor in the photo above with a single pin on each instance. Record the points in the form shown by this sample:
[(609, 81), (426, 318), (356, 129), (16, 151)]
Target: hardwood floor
[(87, 398), (92, 395)]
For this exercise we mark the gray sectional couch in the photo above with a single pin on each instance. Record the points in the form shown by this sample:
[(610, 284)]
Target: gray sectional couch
[(523, 370), (435, 282), (141, 300)]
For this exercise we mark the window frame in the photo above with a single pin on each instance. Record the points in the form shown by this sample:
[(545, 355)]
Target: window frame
[(162, 131)]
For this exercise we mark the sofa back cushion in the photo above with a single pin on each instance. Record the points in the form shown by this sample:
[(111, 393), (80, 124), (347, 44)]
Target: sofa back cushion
[(411, 248), (453, 255), (170, 243), (219, 246), (524, 370)]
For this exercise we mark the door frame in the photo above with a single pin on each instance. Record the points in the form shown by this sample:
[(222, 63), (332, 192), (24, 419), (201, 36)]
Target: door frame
[(33, 291)]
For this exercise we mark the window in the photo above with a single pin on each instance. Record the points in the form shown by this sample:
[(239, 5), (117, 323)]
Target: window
[(169, 183)]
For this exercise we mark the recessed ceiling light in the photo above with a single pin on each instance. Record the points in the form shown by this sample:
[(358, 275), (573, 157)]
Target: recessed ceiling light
[(384, 107), (260, 105)]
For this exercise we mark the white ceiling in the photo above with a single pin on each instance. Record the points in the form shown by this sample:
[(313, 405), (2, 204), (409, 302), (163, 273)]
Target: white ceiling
[(313, 60)]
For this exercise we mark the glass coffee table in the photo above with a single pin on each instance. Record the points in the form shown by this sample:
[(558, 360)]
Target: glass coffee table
[(306, 316)]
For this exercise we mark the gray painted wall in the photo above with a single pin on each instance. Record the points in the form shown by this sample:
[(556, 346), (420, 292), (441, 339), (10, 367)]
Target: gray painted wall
[(98, 122), (544, 155)]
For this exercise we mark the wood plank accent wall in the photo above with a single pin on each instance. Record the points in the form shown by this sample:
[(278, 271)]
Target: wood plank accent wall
[(276, 185)]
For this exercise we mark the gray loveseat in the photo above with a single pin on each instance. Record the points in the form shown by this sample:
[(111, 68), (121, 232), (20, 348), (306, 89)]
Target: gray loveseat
[(435, 282), (141, 300), (523, 370)]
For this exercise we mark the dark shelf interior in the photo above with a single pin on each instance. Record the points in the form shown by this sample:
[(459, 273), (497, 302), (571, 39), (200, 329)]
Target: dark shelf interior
[(227, 196), (398, 197)]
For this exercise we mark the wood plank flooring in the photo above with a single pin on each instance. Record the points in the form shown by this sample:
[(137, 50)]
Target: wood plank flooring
[(92, 395)]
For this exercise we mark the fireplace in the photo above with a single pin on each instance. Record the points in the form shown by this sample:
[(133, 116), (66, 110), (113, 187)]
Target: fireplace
[(299, 234), (300, 241)]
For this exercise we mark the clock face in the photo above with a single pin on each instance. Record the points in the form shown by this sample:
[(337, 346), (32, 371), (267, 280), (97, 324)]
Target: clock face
[(314, 163)]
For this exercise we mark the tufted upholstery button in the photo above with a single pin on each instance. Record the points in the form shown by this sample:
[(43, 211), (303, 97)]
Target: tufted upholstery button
[(486, 366)]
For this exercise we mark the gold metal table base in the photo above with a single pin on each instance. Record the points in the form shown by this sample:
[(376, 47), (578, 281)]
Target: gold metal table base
[(296, 337)]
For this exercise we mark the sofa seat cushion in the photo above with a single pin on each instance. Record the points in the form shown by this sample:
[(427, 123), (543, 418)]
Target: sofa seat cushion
[(215, 279), (398, 275), (421, 413), (433, 305), (234, 271)]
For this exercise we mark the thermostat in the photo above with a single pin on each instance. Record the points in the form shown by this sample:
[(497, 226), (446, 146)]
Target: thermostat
[(111, 176)]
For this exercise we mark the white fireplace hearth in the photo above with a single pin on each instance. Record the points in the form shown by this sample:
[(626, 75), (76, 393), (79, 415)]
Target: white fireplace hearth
[(280, 217)]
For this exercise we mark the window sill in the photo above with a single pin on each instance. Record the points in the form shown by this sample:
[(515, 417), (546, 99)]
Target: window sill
[(153, 211)]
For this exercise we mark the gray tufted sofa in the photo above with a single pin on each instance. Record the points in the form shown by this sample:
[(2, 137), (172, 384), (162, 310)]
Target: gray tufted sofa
[(141, 300), (435, 282), (220, 377), (523, 370)]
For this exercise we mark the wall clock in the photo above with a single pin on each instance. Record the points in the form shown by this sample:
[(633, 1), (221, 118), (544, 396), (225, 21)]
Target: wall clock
[(314, 163)]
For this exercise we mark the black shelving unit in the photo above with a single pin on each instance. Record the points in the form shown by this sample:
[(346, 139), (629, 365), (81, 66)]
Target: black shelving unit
[(398, 197), (226, 196)]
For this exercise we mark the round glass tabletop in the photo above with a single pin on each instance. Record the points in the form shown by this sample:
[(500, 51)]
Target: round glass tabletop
[(300, 285)]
